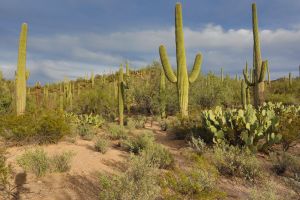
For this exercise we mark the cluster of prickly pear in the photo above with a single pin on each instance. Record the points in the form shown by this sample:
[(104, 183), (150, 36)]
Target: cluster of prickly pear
[(181, 78), (255, 129), (259, 66), (21, 72)]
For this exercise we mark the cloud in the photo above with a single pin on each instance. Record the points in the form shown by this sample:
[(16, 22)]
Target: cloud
[(54, 56)]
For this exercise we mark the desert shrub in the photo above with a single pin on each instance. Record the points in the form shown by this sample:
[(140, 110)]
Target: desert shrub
[(159, 156), (295, 167), (92, 120), (61, 162), (51, 128), (96, 101), (280, 162), (138, 143), (36, 161), (289, 127), (101, 145), (266, 191), (86, 131), (40, 127), (4, 174), (198, 145), (116, 132), (39, 162), (198, 181), (137, 123), (139, 182), (233, 161)]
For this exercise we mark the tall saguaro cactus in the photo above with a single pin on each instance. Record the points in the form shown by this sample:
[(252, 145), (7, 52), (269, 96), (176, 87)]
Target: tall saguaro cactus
[(243, 94), (260, 66), (21, 72), (182, 80), (162, 93), (121, 96), (290, 79), (222, 74)]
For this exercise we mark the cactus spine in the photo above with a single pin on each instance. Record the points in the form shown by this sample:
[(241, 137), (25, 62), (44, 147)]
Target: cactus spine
[(162, 92), (182, 80), (259, 65), (21, 72), (121, 96)]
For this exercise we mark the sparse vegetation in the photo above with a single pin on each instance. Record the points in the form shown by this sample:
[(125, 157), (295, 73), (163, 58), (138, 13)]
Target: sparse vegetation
[(101, 145), (39, 162)]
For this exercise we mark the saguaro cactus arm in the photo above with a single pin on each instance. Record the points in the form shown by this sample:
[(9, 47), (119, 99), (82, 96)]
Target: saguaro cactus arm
[(166, 65), (246, 77), (263, 71), (196, 68)]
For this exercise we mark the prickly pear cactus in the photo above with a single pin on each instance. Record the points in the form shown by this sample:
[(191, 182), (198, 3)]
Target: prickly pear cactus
[(249, 127)]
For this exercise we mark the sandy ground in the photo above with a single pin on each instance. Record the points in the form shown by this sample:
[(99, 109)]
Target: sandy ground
[(79, 183)]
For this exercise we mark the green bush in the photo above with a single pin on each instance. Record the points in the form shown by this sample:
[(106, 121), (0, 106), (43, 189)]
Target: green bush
[(198, 181), (198, 145), (267, 191), (36, 161), (159, 156), (61, 162), (136, 123), (101, 145), (40, 127), (233, 161), (51, 128), (5, 172), (138, 143), (139, 182), (86, 131), (116, 132)]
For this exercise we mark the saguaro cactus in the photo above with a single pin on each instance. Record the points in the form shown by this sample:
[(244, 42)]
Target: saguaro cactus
[(268, 72), (182, 80), (162, 93), (127, 69), (259, 65), (222, 75), (290, 79), (93, 79), (121, 96), (243, 94), (21, 72)]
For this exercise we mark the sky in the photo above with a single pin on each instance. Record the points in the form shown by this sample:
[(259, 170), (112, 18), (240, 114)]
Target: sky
[(69, 38)]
